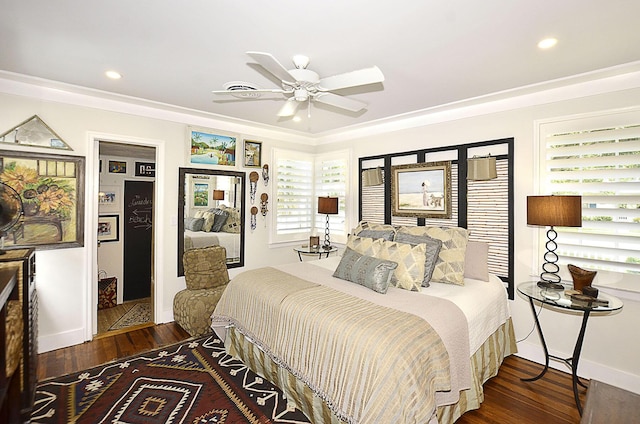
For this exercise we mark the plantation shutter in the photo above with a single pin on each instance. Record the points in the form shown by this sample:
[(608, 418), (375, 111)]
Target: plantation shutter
[(294, 193), (331, 180), (602, 165)]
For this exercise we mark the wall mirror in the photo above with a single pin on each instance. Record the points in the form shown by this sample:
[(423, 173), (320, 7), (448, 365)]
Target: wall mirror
[(211, 212)]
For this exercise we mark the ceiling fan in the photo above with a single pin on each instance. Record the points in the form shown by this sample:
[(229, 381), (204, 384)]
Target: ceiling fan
[(301, 85)]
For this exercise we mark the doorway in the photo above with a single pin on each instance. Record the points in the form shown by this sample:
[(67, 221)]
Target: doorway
[(125, 257)]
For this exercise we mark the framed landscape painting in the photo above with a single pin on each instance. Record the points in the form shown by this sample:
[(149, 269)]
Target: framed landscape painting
[(208, 148), (422, 190)]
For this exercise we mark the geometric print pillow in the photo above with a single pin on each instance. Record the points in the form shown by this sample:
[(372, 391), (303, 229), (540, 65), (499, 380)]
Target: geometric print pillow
[(410, 259), (450, 264)]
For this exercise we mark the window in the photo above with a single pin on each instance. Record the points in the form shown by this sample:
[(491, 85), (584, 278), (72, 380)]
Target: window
[(600, 161), (331, 180), (299, 179), (294, 196)]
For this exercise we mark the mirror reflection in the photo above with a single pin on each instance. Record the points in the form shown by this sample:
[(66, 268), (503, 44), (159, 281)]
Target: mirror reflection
[(210, 212)]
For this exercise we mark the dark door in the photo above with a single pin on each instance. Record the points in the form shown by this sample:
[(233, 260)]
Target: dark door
[(138, 231)]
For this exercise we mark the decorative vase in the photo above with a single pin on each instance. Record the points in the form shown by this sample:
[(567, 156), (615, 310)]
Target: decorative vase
[(581, 277)]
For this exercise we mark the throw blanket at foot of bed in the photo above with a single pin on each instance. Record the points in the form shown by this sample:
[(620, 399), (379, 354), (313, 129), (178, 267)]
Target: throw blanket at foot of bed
[(370, 363)]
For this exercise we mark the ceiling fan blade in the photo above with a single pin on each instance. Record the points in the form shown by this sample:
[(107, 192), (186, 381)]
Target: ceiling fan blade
[(351, 79), (340, 101), (289, 108), (271, 64)]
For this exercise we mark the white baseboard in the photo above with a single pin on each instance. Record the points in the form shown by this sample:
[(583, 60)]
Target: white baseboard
[(586, 369), (60, 340)]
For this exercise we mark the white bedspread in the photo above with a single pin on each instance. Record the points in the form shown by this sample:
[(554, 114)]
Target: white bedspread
[(483, 317), (230, 241)]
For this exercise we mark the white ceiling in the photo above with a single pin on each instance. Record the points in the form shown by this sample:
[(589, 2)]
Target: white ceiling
[(432, 53)]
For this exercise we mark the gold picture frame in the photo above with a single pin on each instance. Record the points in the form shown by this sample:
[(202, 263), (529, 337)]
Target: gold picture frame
[(422, 190)]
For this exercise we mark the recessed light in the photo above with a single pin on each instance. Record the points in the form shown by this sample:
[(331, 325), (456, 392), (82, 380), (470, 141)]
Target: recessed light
[(113, 74), (547, 43)]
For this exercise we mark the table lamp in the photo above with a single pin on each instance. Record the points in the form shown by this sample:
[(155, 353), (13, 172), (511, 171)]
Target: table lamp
[(561, 211), (218, 195), (328, 206)]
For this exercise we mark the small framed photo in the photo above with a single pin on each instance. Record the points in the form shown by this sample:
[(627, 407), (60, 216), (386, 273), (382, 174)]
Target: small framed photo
[(108, 228), (252, 154), (117, 167), (145, 169), (109, 199), (422, 190)]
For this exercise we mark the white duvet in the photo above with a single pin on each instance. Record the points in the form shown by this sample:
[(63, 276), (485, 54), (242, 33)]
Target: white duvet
[(483, 318)]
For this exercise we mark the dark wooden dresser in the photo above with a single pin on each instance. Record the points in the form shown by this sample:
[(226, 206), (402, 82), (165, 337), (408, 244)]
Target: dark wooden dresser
[(24, 260), (11, 331)]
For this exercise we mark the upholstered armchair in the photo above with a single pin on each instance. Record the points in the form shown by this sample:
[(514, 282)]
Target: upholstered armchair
[(206, 275)]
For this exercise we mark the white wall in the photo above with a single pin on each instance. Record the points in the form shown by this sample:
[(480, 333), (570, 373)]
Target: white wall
[(612, 343)]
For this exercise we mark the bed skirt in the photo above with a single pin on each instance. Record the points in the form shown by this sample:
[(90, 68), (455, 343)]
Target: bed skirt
[(484, 365)]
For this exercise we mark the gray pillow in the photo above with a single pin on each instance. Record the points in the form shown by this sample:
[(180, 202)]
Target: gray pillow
[(193, 224), (433, 250), (376, 234), (219, 219), (373, 273)]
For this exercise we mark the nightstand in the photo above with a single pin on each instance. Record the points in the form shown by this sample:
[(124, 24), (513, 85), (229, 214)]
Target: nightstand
[(306, 250), (560, 301)]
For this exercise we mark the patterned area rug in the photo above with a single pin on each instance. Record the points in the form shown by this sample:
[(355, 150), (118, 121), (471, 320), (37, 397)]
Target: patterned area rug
[(191, 382), (139, 313)]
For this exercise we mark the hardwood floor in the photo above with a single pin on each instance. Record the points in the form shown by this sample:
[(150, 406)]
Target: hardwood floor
[(108, 348), (507, 399)]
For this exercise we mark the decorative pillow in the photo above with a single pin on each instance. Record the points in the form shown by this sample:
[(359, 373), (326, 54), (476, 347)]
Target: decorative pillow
[(383, 234), (209, 219), (476, 260), (232, 225), (199, 214), (373, 273), (373, 226), (219, 219), (410, 259), (193, 224), (450, 265), (433, 250)]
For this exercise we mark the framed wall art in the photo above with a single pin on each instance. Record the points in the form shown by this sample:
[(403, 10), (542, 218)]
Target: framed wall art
[(51, 188), (422, 190), (252, 154), (208, 148), (200, 195), (109, 199), (117, 167), (108, 228), (34, 132)]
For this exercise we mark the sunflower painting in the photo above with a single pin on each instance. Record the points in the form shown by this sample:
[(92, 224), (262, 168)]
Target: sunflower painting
[(51, 190)]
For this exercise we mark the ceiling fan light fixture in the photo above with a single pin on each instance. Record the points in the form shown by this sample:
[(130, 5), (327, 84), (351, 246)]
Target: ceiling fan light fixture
[(300, 61), (301, 94)]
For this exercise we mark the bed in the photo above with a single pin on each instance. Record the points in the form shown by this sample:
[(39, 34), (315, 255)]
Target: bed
[(214, 227), (344, 352), (230, 241)]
